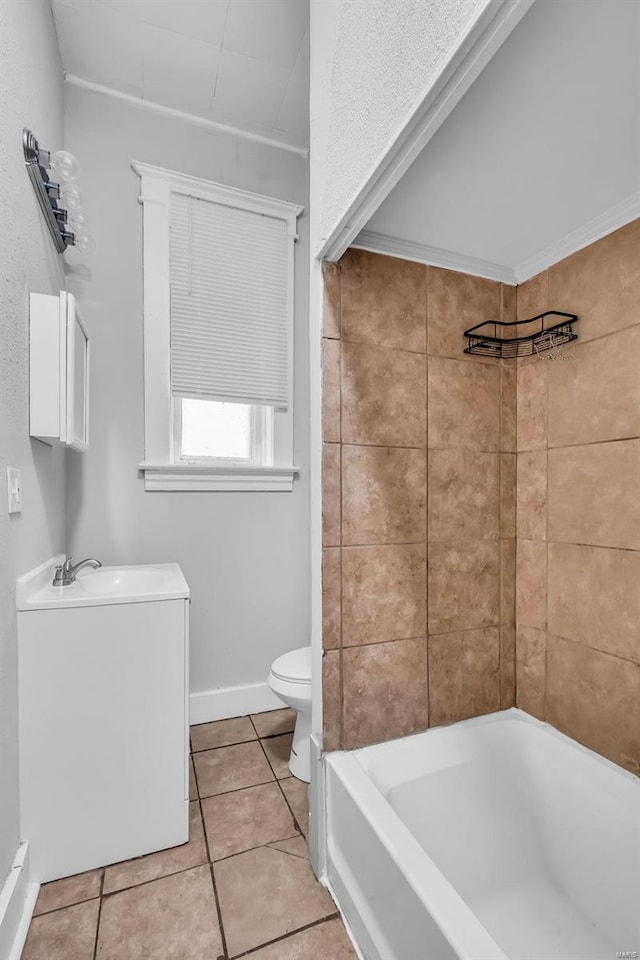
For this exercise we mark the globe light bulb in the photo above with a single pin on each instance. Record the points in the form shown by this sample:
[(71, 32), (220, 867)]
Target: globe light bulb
[(71, 196), (65, 165), (78, 221), (85, 243)]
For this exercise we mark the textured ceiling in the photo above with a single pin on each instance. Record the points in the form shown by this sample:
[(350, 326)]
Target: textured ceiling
[(244, 63)]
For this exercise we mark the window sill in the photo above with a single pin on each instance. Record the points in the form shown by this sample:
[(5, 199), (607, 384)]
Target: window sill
[(188, 477)]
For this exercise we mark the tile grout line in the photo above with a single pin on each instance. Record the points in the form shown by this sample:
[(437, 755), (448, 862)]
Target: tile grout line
[(101, 897), (286, 936), (216, 898), (286, 799), (236, 743)]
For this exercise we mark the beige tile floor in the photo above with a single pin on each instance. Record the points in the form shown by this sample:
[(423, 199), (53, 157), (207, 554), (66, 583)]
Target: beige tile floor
[(241, 887)]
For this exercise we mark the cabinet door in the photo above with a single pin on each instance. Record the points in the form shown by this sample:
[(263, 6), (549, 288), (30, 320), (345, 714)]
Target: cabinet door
[(77, 419)]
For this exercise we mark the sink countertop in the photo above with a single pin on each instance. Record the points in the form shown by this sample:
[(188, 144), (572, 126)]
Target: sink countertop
[(126, 583)]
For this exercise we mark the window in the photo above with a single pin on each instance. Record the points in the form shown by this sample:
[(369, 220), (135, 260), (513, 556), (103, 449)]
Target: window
[(218, 335), (222, 432)]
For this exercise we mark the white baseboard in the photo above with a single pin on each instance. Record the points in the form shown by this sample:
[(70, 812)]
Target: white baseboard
[(231, 702), (17, 902)]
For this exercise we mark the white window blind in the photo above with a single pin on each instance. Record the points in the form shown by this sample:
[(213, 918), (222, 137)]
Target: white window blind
[(230, 272)]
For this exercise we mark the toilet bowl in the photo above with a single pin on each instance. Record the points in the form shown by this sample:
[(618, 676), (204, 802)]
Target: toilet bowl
[(290, 679)]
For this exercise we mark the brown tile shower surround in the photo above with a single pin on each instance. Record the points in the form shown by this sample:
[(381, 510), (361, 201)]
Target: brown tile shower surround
[(450, 480), (419, 501), (578, 546), (241, 887)]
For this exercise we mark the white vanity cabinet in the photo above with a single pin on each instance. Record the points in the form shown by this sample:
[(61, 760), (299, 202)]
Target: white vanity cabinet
[(58, 371), (103, 685)]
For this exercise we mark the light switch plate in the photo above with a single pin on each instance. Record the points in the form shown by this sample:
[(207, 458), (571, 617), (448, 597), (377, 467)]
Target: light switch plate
[(14, 490)]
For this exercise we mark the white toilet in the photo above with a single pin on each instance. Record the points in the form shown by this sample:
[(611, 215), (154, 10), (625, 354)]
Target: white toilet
[(290, 679)]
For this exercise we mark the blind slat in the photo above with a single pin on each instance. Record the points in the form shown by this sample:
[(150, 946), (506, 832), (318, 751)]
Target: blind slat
[(229, 274)]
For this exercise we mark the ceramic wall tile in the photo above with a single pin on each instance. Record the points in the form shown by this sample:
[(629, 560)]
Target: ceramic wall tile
[(384, 301), (594, 597), (331, 317), (458, 301), (531, 584), (384, 593), (593, 494), (531, 495), (601, 283), (464, 675), (331, 498), (383, 495), (384, 395), (464, 495), (594, 697), (331, 598), (331, 391), (385, 691), (464, 405), (464, 585), (596, 394), (531, 655)]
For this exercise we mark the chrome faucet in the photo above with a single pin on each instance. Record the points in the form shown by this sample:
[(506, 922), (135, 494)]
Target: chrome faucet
[(66, 572)]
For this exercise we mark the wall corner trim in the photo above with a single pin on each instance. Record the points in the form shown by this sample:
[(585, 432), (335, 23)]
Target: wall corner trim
[(17, 902), (228, 702), (434, 256)]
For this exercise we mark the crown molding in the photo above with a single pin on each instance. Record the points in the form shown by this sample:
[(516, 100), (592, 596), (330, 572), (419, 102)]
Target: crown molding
[(485, 36), (191, 118), (612, 219), (434, 256)]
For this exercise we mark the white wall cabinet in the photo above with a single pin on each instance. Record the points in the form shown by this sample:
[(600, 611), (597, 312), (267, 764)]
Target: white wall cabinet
[(58, 371)]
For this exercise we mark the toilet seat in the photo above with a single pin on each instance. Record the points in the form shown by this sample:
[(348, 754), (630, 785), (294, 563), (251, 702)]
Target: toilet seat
[(293, 667)]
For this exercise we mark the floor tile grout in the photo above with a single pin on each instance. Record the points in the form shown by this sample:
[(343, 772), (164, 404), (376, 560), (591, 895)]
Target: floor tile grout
[(174, 873), (258, 846), (286, 936), (46, 913), (239, 743), (286, 799), (213, 882), (226, 793), (100, 895)]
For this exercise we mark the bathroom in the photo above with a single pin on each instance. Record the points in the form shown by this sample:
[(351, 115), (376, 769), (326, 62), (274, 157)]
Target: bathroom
[(425, 560)]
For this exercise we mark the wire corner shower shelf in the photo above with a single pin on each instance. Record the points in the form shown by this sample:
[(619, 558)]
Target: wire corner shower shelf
[(523, 338)]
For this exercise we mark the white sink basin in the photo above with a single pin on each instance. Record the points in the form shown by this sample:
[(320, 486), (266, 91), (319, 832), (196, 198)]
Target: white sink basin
[(135, 584), (121, 580)]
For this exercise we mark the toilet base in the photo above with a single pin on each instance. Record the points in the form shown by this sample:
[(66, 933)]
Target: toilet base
[(300, 759)]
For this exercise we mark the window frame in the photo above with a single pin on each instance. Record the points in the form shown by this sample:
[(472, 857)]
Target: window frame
[(161, 469)]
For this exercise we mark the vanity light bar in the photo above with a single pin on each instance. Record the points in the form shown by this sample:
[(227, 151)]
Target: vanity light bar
[(37, 162)]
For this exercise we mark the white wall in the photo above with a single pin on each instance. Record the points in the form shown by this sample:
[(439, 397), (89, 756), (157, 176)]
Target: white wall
[(378, 60), (31, 95), (245, 555)]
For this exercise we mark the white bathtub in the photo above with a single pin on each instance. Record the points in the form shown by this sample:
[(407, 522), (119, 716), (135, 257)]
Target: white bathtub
[(492, 838)]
